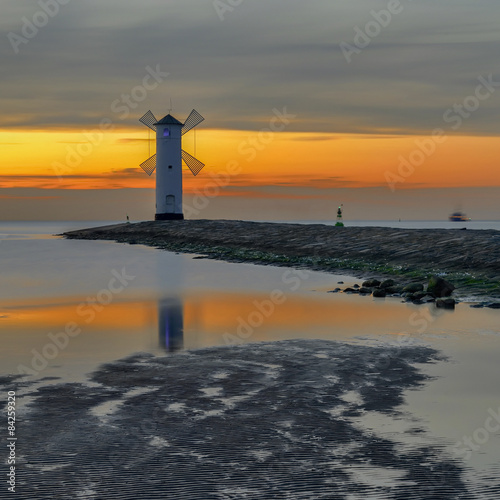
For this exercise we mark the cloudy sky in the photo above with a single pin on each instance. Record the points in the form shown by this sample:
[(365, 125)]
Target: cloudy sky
[(377, 99)]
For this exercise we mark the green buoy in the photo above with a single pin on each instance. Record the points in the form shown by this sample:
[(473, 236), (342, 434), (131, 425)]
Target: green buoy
[(339, 217)]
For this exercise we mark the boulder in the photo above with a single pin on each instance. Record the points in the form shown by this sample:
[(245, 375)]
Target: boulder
[(493, 305), (446, 303), (365, 291), (337, 290), (439, 287), (387, 283), (351, 290), (379, 292), (371, 283), (413, 287), (394, 289)]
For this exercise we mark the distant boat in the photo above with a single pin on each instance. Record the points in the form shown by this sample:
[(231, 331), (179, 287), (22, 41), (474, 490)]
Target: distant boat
[(459, 217)]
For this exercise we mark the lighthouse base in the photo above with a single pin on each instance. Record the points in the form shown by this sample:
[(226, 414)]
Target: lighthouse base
[(169, 217)]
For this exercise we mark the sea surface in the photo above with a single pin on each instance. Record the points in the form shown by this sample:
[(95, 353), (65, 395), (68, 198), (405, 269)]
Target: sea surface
[(412, 224), (68, 306)]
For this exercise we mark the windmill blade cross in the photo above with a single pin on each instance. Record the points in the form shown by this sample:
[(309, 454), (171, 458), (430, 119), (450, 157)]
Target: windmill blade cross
[(149, 120), (194, 165), (149, 165), (193, 120)]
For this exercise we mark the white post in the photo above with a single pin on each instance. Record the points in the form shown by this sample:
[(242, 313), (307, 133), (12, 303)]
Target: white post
[(168, 169)]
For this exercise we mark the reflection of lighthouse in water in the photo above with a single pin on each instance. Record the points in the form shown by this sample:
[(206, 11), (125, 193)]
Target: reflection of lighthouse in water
[(171, 324)]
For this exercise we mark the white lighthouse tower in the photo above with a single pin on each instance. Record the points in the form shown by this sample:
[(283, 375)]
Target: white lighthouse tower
[(168, 162), (168, 169)]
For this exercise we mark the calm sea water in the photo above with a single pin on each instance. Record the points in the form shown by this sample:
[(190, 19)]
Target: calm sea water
[(67, 306), (414, 224)]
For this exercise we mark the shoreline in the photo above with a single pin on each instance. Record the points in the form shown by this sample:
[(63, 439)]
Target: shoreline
[(470, 259)]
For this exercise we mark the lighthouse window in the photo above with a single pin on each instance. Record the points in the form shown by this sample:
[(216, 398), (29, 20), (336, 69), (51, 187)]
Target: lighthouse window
[(166, 133), (170, 166)]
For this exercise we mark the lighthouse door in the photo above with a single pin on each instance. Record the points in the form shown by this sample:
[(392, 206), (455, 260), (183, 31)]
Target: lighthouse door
[(170, 204)]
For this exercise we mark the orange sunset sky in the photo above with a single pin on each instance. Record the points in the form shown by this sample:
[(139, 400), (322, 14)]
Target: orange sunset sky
[(360, 126)]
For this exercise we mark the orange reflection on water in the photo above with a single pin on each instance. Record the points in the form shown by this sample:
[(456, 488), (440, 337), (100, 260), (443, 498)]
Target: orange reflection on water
[(48, 316), (200, 320), (224, 318)]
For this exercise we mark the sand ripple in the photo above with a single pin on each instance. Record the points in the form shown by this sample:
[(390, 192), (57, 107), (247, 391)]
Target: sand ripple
[(280, 420)]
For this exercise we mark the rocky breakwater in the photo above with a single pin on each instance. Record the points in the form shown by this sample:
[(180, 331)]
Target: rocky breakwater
[(469, 259)]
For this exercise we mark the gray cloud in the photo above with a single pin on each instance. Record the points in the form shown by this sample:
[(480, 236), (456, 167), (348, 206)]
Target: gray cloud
[(263, 55)]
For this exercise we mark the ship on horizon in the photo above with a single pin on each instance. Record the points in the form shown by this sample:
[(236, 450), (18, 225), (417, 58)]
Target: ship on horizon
[(459, 217)]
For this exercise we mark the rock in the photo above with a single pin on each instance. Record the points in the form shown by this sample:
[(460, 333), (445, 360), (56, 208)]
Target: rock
[(379, 292), (417, 302), (351, 290), (337, 290), (394, 289), (439, 287), (340, 282), (371, 283), (493, 305), (387, 283), (446, 303), (419, 295), (477, 306), (413, 287), (365, 291), (428, 298), (356, 286)]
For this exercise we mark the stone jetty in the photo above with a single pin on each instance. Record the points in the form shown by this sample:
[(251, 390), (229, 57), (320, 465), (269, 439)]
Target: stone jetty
[(468, 258)]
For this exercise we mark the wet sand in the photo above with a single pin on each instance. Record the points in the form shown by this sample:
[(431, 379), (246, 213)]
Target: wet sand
[(470, 259), (268, 420)]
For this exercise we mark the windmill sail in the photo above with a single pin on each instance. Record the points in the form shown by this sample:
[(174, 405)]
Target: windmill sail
[(149, 165), (149, 120), (194, 165), (192, 121)]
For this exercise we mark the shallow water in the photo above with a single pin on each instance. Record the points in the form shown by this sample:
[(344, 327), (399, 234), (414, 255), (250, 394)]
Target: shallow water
[(123, 299)]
